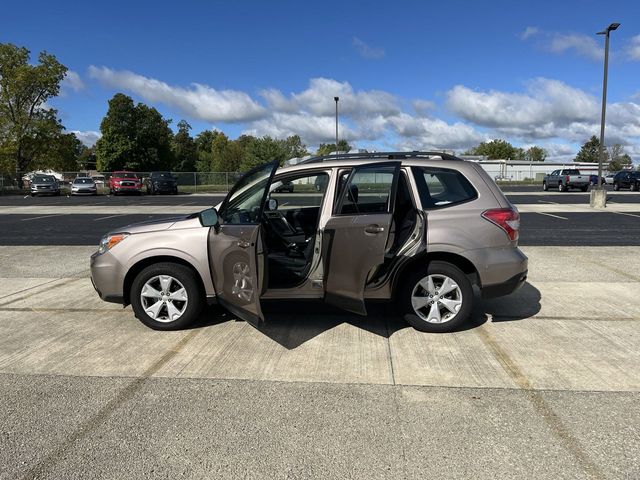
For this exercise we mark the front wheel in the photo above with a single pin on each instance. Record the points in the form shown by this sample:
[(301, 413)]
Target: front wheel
[(438, 300), (561, 187), (545, 187), (166, 296)]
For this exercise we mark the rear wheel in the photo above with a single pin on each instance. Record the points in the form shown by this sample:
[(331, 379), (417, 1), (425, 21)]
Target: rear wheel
[(616, 187), (633, 187), (584, 189), (166, 296), (437, 300)]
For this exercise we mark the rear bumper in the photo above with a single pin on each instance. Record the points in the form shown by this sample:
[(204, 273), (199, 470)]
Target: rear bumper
[(505, 288)]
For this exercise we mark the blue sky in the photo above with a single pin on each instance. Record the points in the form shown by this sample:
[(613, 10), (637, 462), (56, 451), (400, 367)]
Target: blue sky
[(409, 74)]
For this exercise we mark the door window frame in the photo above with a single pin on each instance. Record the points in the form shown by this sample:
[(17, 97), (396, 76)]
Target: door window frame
[(339, 196)]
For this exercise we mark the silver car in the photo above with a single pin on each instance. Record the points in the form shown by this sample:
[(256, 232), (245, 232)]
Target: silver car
[(84, 186), (417, 228), (41, 184)]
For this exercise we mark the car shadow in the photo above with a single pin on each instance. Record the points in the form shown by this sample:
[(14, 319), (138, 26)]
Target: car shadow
[(295, 322)]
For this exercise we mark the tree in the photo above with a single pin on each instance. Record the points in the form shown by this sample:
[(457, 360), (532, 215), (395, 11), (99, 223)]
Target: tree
[(535, 154), (133, 137), (24, 89), (590, 151), (498, 150), (619, 159), (262, 150), (184, 148), (327, 148)]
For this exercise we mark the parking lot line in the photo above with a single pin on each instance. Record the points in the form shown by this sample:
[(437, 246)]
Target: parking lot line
[(104, 218), (43, 216), (628, 214), (546, 201), (552, 215)]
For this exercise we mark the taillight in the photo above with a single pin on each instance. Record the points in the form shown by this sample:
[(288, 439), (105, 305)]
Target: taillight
[(566, 178), (508, 219)]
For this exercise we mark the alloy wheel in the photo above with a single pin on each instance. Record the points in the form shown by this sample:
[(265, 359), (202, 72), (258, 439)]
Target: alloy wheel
[(164, 298), (436, 298)]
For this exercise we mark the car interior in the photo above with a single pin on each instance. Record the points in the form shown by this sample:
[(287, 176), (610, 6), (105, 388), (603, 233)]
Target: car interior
[(291, 221)]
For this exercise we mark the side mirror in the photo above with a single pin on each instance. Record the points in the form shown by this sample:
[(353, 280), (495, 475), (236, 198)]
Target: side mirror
[(272, 204), (209, 218)]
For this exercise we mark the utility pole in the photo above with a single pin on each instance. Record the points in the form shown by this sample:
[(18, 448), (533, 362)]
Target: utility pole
[(336, 100)]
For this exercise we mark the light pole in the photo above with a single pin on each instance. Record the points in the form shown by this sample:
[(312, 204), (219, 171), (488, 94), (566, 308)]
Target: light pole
[(605, 32), (336, 99)]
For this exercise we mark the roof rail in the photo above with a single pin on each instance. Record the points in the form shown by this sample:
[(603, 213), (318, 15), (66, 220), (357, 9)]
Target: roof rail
[(379, 156)]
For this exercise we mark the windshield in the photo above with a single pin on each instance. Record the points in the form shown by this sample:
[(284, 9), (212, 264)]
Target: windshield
[(245, 201), (125, 175), (44, 178), (165, 175), (83, 180)]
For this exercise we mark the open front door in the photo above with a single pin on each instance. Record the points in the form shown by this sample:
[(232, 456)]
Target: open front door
[(235, 246), (356, 234)]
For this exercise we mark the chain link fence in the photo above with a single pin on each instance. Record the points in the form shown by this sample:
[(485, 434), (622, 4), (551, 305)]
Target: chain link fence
[(188, 182)]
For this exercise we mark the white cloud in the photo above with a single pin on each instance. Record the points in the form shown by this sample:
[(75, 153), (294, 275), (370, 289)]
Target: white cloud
[(317, 99), (72, 81), (312, 129), (633, 48), (198, 101), (367, 51), (529, 32), (583, 45), (433, 133), (89, 137)]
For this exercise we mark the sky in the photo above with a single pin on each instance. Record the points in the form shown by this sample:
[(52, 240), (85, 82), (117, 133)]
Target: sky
[(410, 75)]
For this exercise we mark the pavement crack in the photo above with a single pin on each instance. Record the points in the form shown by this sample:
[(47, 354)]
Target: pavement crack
[(538, 402), (57, 285), (43, 467)]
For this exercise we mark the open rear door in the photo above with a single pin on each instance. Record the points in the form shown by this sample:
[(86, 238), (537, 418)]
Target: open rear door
[(356, 234), (235, 246)]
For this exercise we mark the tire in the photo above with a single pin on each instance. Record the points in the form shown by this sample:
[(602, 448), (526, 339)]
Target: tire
[(545, 187), (584, 189), (437, 271), (181, 278), (633, 187), (616, 186), (561, 188)]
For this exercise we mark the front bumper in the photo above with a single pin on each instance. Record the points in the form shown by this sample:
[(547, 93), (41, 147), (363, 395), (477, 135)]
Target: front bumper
[(107, 277)]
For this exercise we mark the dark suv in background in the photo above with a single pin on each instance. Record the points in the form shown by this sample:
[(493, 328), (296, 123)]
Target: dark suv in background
[(161, 182), (626, 179)]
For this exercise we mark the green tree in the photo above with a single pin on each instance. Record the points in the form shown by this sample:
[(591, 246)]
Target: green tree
[(590, 151), (134, 137), (535, 154), (327, 148), (498, 149), (24, 89), (294, 147), (184, 148), (619, 159)]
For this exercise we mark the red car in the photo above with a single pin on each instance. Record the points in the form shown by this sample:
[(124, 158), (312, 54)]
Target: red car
[(124, 182)]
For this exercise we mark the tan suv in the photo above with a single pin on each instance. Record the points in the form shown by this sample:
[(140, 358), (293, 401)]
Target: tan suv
[(420, 228)]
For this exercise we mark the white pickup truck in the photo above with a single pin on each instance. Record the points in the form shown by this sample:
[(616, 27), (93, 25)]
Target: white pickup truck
[(565, 179)]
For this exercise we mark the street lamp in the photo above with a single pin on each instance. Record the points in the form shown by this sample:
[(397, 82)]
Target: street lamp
[(336, 99), (605, 32)]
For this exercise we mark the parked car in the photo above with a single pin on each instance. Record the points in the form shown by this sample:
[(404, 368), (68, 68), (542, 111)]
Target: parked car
[(609, 178), (44, 185), (124, 182), (593, 180), (627, 179), (565, 179), (161, 182), (84, 186), (98, 180), (365, 240)]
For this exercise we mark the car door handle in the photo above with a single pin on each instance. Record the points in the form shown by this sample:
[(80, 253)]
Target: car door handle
[(373, 229), (243, 244)]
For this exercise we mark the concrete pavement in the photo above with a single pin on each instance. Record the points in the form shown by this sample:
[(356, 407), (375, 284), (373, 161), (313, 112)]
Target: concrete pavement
[(543, 384)]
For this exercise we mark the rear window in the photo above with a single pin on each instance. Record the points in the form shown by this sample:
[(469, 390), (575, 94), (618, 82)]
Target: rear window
[(571, 172), (442, 187)]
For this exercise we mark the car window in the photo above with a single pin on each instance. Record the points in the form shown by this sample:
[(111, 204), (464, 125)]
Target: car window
[(439, 187), (43, 178), (306, 190), (83, 180), (245, 201), (367, 190)]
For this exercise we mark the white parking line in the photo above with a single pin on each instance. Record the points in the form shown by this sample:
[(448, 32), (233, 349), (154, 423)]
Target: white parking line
[(104, 218), (628, 214), (552, 215), (43, 216), (546, 201)]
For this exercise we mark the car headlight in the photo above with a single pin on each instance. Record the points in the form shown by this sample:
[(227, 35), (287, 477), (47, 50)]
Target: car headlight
[(109, 241)]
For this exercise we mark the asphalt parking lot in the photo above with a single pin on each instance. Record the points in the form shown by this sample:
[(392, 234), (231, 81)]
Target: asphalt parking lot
[(542, 384)]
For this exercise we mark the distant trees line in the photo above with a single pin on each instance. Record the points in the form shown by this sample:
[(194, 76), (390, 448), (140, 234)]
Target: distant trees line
[(137, 137)]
